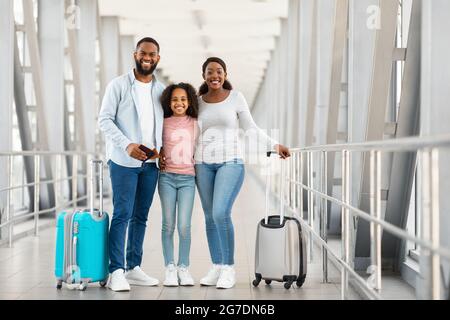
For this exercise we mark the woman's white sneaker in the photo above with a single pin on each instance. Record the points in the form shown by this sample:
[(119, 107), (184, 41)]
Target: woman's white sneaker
[(171, 276), (117, 281), (227, 278), (138, 277), (212, 276), (185, 277)]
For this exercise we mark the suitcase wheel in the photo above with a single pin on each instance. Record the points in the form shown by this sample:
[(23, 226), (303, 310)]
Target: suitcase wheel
[(268, 281), (300, 281), (102, 283), (59, 285), (83, 286), (257, 280), (287, 285)]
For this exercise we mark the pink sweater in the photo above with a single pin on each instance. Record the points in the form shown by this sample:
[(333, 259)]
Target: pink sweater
[(179, 134)]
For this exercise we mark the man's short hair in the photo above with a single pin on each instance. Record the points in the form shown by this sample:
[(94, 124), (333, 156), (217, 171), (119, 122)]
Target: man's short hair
[(147, 39)]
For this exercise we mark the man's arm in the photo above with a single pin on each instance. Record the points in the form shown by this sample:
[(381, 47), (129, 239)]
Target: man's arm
[(106, 119)]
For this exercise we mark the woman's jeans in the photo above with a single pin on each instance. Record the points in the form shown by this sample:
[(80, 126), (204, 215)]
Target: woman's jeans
[(133, 190), (218, 186), (176, 189)]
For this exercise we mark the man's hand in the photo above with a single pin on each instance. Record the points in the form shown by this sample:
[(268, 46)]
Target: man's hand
[(282, 151), (162, 160), (136, 153)]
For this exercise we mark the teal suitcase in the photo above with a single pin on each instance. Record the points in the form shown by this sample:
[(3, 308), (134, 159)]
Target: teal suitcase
[(82, 243)]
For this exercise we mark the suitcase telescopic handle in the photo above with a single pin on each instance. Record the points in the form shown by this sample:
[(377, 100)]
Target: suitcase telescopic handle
[(94, 164), (268, 184)]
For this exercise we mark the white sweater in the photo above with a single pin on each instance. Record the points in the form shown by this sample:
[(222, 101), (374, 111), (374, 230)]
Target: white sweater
[(219, 125)]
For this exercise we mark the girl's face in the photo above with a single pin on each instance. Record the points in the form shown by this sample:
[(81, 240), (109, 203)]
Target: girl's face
[(214, 75), (179, 102)]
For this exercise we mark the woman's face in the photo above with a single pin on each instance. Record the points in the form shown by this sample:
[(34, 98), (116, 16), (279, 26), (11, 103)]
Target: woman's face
[(179, 103), (214, 75)]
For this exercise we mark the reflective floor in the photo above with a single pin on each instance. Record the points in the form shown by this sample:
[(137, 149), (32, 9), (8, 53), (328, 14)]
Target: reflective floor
[(26, 270)]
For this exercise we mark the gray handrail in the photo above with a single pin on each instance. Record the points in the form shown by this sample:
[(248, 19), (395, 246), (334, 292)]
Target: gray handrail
[(76, 155), (401, 144), (427, 147)]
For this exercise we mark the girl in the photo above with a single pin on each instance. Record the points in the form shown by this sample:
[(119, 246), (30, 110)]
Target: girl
[(177, 178), (219, 166)]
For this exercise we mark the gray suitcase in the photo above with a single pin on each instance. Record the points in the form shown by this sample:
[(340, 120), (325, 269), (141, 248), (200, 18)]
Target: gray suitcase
[(280, 253)]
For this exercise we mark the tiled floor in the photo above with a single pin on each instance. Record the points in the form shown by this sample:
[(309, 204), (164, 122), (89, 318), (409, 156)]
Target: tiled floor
[(26, 270)]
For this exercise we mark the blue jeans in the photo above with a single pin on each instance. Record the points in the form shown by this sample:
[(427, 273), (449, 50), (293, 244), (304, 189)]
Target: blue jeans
[(218, 186), (176, 189), (133, 190)]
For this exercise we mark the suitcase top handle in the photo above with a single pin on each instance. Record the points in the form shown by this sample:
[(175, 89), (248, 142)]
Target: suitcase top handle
[(94, 164), (268, 184)]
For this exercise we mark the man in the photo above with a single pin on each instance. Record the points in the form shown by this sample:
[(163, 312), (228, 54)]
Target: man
[(131, 115)]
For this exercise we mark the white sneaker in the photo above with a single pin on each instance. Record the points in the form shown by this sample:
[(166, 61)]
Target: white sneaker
[(171, 276), (117, 281), (185, 277), (227, 278), (138, 277), (212, 276)]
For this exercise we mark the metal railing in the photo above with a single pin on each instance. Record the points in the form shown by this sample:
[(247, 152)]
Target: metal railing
[(58, 159), (292, 173)]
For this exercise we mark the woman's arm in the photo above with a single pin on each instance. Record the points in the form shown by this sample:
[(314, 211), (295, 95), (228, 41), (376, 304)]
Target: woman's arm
[(247, 123)]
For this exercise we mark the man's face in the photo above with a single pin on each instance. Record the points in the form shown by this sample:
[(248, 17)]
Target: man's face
[(146, 58)]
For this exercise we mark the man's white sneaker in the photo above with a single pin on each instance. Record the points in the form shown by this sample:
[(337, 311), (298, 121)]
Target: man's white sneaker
[(185, 277), (171, 276), (117, 281), (227, 278), (212, 276), (138, 277)]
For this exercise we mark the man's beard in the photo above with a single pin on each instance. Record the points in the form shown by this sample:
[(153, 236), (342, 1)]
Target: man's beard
[(143, 71)]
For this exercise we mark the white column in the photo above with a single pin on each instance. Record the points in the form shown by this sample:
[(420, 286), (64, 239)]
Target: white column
[(361, 47), (325, 35), (110, 43), (127, 47), (86, 44), (435, 112), (51, 46), (6, 96)]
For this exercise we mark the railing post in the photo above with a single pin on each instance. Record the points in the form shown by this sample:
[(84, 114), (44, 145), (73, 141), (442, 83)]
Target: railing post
[(345, 222), (301, 184), (8, 201), (58, 184), (430, 219), (375, 211), (324, 217), (37, 181), (75, 180), (310, 201), (434, 224)]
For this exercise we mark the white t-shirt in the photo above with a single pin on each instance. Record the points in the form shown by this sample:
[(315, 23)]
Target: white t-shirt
[(145, 110), (219, 125)]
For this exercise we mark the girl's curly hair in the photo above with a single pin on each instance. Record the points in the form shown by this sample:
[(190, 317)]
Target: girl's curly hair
[(166, 97)]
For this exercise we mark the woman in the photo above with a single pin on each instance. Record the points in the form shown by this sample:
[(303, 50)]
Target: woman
[(219, 166)]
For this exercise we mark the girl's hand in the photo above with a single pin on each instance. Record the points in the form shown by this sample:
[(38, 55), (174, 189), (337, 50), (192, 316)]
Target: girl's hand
[(282, 151)]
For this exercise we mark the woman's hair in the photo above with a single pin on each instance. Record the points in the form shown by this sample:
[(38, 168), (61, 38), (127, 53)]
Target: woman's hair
[(166, 98), (204, 87)]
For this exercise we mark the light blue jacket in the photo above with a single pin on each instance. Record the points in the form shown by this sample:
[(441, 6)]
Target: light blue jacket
[(119, 119)]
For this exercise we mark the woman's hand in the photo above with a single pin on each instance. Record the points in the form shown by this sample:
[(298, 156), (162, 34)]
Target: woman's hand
[(282, 151)]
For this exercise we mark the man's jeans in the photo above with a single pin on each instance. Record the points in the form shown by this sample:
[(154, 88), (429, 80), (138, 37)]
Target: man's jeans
[(218, 186), (176, 189), (133, 190)]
